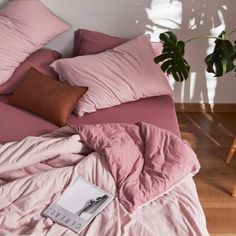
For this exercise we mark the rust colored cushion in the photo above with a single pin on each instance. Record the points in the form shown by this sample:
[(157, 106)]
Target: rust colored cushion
[(47, 97)]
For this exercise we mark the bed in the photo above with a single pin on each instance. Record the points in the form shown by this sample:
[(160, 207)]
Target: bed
[(122, 135), (176, 212)]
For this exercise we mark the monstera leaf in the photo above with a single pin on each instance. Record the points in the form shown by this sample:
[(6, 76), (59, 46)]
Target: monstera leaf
[(233, 58), (223, 59), (172, 57)]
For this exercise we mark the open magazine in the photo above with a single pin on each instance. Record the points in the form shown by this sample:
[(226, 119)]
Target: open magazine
[(78, 205)]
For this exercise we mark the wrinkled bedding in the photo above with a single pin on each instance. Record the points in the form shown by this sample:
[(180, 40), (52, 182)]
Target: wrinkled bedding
[(148, 169)]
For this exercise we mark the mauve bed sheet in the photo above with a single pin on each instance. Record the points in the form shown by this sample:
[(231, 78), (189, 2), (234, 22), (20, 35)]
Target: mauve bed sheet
[(16, 124)]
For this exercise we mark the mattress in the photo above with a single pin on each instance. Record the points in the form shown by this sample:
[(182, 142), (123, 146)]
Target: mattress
[(16, 124)]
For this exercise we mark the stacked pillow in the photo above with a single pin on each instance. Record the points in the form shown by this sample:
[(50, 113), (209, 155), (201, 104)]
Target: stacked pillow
[(114, 69)]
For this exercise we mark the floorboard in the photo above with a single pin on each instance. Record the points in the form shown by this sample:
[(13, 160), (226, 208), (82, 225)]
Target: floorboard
[(211, 135)]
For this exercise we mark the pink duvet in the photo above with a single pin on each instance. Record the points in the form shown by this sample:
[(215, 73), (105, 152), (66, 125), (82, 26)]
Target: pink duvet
[(147, 168)]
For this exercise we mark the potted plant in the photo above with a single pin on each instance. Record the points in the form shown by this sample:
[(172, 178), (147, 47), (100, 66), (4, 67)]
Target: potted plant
[(222, 60)]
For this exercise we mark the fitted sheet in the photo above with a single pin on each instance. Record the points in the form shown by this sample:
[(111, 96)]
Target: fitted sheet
[(16, 124)]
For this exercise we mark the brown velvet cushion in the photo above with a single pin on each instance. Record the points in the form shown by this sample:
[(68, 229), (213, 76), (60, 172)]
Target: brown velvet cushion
[(47, 97)]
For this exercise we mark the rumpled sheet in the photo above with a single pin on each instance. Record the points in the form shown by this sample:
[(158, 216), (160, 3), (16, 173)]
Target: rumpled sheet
[(35, 171)]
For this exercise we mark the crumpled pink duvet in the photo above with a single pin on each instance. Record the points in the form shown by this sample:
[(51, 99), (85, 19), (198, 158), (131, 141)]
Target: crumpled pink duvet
[(147, 168), (145, 161)]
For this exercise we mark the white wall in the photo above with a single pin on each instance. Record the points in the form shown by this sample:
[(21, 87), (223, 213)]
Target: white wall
[(129, 18)]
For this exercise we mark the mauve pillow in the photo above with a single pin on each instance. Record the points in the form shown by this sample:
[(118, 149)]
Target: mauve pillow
[(47, 97), (41, 59), (25, 26), (125, 73), (87, 42)]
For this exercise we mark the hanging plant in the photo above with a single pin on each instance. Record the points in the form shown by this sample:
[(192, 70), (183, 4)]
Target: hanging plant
[(221, 61)]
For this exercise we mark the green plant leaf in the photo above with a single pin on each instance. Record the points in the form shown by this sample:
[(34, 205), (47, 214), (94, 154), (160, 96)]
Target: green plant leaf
[(233, 57), (172, 57), (222, 59)]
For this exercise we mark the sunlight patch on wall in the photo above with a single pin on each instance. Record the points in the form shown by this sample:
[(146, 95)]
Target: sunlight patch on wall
[(225, 7), (211, 82), (182, 93), (186, 88), (192, 24), (171, 81), (192, 78), (165, 15), (180, 87)]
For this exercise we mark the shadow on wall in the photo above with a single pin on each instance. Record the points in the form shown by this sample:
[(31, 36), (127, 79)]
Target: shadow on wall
[(189, 19)]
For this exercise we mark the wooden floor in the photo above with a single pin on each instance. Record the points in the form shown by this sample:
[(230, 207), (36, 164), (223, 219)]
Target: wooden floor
[(211, 135)]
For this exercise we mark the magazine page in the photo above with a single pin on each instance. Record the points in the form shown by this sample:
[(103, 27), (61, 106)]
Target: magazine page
[(78, 205)]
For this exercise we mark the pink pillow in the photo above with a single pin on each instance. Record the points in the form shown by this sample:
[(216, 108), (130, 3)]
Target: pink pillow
[(87, 42), (40, 60), (125, 73), (25, 26)]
